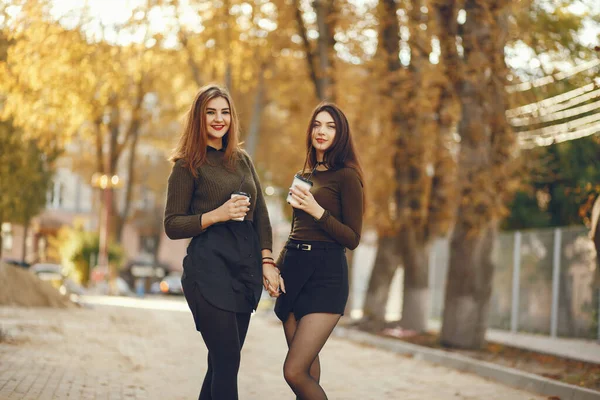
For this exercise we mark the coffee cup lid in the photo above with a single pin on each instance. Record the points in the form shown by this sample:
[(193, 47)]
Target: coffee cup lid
[(241, 194), (303, 179)]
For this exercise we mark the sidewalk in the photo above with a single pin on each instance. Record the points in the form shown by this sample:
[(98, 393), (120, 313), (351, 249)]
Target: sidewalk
[(148, 349), (576, 349)]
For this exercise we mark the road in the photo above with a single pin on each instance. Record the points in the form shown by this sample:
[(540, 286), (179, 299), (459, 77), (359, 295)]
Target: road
[(123, 348)]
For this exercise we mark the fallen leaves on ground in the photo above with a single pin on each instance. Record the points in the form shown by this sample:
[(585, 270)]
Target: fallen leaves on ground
[(565, 370)]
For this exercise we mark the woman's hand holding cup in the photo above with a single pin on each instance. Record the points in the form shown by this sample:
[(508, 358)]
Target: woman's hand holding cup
[(234, 209), (302, 199)]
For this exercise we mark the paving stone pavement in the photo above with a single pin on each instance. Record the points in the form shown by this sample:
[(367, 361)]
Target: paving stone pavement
[(110, 352)]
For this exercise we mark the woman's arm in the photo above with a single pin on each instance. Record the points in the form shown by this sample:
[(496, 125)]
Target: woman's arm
[(262, 223), (346, 233), (179, 222)]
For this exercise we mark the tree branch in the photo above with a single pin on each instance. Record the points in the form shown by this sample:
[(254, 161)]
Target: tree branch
[(308, 50), (184, 40)]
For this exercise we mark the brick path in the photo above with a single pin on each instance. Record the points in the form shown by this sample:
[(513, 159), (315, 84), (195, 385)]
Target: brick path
[(114, 353)]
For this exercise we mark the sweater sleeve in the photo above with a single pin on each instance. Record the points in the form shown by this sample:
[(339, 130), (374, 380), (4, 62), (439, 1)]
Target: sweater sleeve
[(281, 256), (262, 223), (179, 222), (347, 231)]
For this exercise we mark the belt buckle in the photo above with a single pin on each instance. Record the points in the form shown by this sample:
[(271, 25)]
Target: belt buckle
[(305, 247)]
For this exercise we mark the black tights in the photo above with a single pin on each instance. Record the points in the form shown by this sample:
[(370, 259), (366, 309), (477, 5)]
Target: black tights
[(305, 339), (223, 333)]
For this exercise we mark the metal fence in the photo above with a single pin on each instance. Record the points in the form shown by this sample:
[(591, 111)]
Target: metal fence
[(543, 282)]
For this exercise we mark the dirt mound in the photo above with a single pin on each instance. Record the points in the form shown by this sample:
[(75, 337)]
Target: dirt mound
[(19, 287)]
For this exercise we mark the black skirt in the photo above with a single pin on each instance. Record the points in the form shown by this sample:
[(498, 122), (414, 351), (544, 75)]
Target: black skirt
[(224, 265), (316, 279)]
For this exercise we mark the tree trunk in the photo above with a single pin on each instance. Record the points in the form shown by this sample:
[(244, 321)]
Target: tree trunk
[(485, 173), (325, 13), (99, 146), (113, 152), (189, 54), (228, 78), (433, 194), (595, 235), (1, 237), (255, 122), (415, 294), (565, 295), (121, 219), (112, 155), (320, 71), (312, 69), (24, 244), (195, 70), (468, 288), (157, 240), (386, 264)]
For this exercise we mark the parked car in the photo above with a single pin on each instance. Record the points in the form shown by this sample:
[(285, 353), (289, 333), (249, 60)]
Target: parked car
[(49, 272), (143, 274), (171, 284), (16, 263)]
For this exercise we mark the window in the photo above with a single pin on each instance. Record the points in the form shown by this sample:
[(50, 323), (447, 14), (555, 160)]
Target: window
[(55, 195), (7, 236), (148, 244), (59, 200)]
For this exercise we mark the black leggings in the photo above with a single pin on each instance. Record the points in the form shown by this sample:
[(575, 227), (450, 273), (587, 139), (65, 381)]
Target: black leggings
[(223, 333)]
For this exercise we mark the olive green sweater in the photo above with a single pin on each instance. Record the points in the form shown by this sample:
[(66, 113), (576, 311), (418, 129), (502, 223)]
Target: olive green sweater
[(188, 197)]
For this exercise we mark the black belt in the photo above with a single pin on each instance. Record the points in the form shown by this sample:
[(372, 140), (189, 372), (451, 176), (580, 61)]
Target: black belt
[(313, 246)]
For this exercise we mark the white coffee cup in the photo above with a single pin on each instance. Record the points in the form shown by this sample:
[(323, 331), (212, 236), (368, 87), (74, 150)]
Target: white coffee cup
[(299, 181), (243, 194)]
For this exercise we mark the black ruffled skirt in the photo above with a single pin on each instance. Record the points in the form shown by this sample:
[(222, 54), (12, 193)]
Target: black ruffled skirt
[(224, 263)]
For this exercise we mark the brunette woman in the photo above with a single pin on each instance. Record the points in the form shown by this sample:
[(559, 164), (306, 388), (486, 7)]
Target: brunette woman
[(327, 219), (214, 197)]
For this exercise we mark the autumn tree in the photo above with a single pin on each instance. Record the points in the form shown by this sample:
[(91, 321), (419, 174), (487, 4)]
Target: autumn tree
[(236, 46), (320, 57), (486, 174), (557, 178), (422, 116), (26, 169), (489, 173), (91, 89), (10, 157), (26, 172)]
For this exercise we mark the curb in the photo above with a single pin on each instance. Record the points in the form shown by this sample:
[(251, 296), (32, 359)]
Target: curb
[(508, 376)]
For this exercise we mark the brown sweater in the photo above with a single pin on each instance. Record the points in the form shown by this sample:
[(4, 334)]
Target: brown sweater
[(188, 197), (340, 193)]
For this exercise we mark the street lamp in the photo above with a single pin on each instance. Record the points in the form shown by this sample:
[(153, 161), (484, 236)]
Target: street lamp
[(106, 183)]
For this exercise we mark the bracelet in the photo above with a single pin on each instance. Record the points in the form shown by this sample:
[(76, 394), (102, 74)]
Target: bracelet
[(270, 262), (268, 258)]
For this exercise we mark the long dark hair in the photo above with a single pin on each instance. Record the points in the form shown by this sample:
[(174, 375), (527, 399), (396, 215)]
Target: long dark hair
[(194, 138), (342, 152)]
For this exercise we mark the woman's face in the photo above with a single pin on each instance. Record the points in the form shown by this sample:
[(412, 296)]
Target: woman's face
[(218, 118), (323, 131)]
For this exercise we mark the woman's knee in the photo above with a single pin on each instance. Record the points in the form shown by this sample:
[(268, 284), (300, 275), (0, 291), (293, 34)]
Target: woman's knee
[(226, 359), (294, 373)]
